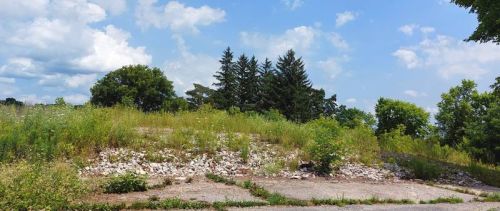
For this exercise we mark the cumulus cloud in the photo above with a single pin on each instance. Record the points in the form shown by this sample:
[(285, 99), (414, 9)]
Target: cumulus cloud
[(300, 39), (76, 99), (190, 68), (344, 17), (292, 4), (115, 7), (332, 66), (110, 51), (337, 41), (176, 16), (57, 43), (450, 57), (408, 57), (408, 29)]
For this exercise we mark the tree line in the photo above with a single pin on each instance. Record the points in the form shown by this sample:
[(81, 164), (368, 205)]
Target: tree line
[(466, 119)]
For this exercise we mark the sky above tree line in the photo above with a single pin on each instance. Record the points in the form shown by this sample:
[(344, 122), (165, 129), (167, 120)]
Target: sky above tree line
[(360, 50)]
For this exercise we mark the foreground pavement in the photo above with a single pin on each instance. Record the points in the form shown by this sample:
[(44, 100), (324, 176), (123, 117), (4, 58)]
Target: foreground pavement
[(413, 207)]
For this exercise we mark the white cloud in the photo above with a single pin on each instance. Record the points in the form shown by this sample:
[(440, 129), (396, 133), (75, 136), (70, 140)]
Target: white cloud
[(190, 68), (19, 67), (33, 99), (4, 80), (110, 51), (56, 43), (351, 100), (292, 4), (408, 29), (176, 16), (332, 66), (413, 93), (300, 39), (344, 17), (116, 7), (76, 99), (80, 80), (450, 57), (427, 29), (408, 57), (337, 41)]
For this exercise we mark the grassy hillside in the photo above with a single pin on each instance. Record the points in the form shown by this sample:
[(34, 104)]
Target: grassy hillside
[(44, 139)]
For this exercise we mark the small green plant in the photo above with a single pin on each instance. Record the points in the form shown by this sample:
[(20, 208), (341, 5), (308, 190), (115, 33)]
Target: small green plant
[(220, 205), (450, 200), (492, 197), (274, 167), (125, 183), (220, 179)]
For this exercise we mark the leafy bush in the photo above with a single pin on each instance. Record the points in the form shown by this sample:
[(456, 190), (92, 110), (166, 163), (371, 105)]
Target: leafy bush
[(423, 169), (362, 145), (38, 186), (324, 150), (125, 183)]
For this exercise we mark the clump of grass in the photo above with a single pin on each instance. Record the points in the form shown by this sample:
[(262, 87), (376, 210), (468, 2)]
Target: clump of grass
[(99, 206), (223, 204), (372, 200), (272, 198), (273, 168), (220, 179), (39, 186), (423, 169), (450, 200), (125, 183), (176, 203), (491, 197)]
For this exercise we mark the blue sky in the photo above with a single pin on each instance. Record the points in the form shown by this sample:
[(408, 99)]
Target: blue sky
[(360, 50)]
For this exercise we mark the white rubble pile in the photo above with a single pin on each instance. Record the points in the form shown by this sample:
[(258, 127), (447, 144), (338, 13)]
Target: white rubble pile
[(356, 170)]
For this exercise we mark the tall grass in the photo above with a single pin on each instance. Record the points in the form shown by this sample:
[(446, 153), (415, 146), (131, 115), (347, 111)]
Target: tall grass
[(45, 133)]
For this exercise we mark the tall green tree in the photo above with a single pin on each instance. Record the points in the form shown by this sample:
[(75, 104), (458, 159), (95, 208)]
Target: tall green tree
[(293, 87), (488, 16), (248, 82), (227, 87), (266, 95), (144, 87), (353, 117), (393, 113), (199, 95), (483, 130), (456, 109)]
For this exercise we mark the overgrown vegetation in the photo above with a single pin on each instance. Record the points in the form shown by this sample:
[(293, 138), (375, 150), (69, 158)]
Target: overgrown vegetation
[(449, 200), (39, 186), (125, 183)]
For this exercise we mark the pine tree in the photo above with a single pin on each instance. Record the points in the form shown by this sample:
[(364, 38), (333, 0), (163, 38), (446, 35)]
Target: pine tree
[(266, 96), (199, 95), (293, 87), (248, 81), (227, 87)]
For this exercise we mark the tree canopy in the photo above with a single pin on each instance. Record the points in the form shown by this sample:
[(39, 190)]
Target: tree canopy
[(136, 85), (488, 16), (393, 113)]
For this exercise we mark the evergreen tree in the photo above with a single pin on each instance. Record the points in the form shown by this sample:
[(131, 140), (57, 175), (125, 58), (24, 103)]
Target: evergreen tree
[(227, 86), (293, 88), (266, 96), (241, 69), (316, 103)]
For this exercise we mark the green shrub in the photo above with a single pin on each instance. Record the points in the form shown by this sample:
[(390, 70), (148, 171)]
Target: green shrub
[(125, 183), (361, 145), (325, 150), (39, 186), (423, 169)]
